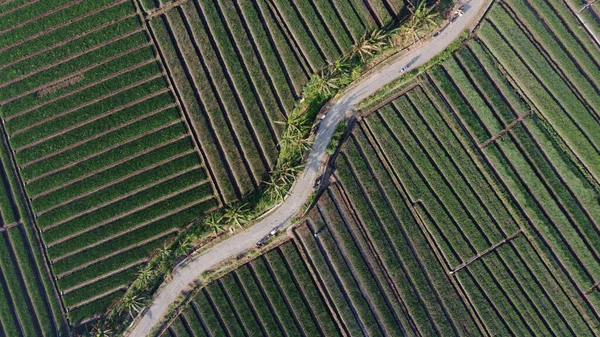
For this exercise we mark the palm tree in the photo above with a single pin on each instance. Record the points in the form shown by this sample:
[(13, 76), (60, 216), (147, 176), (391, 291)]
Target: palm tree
[(421, 19), (324, 84), (215, 222), (145, 275), (101, 330), (133, 304), (184, 246), (237, 214)]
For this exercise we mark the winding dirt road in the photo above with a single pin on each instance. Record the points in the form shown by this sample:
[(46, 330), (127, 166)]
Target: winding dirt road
[(185, 275)]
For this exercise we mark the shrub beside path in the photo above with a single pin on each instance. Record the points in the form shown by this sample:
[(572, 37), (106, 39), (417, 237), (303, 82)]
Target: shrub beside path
[(184, 276)]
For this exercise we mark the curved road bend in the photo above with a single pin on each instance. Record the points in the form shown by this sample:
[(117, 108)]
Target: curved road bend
[(239, 243)]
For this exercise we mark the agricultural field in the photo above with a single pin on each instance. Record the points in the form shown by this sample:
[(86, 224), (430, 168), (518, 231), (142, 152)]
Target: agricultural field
[(467, 205), (106, 159), (29, 302), (238, 67)]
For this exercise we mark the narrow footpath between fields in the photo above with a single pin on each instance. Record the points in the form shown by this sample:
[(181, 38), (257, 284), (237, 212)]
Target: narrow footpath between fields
[(185, 275)]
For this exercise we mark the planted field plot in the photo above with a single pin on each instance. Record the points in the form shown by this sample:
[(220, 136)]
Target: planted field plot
[(497, 255), (238, 67), (274, 295), (29, 304), (106, 160)]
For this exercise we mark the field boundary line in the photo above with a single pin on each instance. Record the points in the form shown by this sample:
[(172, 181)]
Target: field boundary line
[(116, 163), (115, 253), (80, 89), (149, 15), (89, 103), (101, 277), (92, 209), (501, 134), (97, 297), (64, 24), (64, 42), (71, 57), (39, 17), (180, 103), (485, 252), (75, 73), (587, 28)]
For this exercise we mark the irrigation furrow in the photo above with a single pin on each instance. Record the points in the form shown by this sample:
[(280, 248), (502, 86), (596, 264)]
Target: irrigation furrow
[(502, 133), (14, 9), (97, 297)]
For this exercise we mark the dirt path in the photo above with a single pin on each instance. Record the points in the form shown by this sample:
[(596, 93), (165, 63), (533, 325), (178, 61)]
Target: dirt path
[(186, 274)]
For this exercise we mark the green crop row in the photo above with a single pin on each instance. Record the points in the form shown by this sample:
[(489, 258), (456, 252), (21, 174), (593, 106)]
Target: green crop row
[(122, 278), (62, 52), (198, 330), (111, 264), (306, 283), (94, 308), (275, 48), (573, 126), (391, 242), (285, 73), (299, 33), (29, 13), (238, 300), (169, 139), (111, 49), (279, 304), (361, 303), (96, 72), (169, 172), (118, 210), (147, 220), (115, 128), (293, 294), (50, 39), (368, 276), (105, 89), (268, 319), (236, 94), (107, 175), (205, 112), (337, 27), (225, 311), (329, 281)]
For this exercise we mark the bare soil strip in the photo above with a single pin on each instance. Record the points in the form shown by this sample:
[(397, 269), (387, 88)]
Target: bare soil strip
[(48, 13), (55, 87), (74, 56), (83, 141), (10, 225), (81, 106), (80, 89), (123, 160), (79, 72), (164, 9), (115, 253)]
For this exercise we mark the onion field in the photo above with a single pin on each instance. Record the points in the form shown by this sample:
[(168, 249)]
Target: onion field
[(106, 159), (465, 206), (238, 67)]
